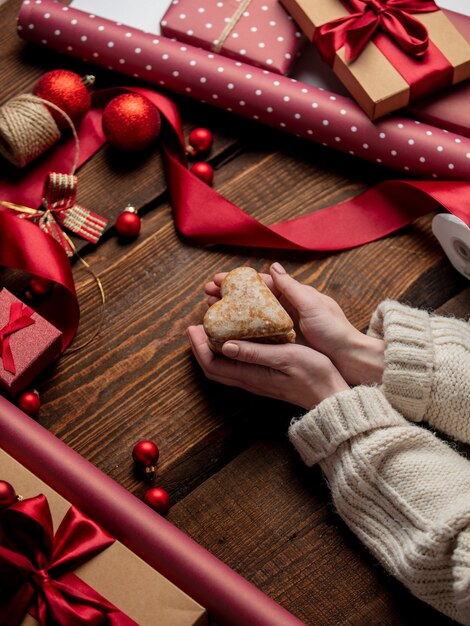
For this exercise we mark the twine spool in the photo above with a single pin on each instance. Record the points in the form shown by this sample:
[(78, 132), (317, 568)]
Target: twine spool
[(27, 129)]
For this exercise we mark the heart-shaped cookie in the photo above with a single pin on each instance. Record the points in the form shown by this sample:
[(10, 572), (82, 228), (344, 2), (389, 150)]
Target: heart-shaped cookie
[(247, 310)]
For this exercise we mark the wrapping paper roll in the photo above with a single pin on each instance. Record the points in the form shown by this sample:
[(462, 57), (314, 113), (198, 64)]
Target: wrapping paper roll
[(326, 118)]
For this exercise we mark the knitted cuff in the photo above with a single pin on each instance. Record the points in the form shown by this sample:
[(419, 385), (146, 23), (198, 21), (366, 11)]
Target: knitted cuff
[(409, 356), (339, 418)]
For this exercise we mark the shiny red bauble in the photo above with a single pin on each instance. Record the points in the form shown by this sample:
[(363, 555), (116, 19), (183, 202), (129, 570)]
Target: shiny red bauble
[(145, 454), (29, 402), (66, 90), (128, 224), (200, 140), (40, 287), (7, 494), (203, 171), (158, 499), (131, 122)]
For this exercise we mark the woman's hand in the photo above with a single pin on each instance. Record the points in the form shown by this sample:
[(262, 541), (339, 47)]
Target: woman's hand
[(324, 326), (288, 372)]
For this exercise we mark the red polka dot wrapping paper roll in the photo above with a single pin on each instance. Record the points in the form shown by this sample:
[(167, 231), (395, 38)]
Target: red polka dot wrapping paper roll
[(259, 32), (321, 116)]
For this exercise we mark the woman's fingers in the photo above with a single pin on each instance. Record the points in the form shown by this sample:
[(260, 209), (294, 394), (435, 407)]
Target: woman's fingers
[(299, 296), (275, 356), (212, 288), (227, 371)]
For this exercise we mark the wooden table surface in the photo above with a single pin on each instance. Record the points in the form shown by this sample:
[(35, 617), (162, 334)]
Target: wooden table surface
[(236, 485)]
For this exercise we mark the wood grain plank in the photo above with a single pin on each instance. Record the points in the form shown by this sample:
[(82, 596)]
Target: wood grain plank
[(270, 518)]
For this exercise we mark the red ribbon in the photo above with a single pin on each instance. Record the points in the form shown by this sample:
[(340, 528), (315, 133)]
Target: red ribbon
[(356, 30), (20, 317), (26, 247), (204, 215), (207, 217), (36, 568)]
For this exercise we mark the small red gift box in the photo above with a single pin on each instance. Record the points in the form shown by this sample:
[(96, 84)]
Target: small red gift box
[(259, 32), (28, 343)]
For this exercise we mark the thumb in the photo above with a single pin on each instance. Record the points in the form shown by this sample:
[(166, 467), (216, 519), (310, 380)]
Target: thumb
[(298, 295), (275, 356)]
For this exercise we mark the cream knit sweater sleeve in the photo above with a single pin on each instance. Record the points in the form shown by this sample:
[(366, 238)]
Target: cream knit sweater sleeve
[(427, 366), (401, 490)]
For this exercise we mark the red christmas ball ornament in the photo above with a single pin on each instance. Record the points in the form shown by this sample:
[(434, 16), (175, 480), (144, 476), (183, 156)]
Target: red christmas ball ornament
[(204, 171), (158, 499), (128, 223), (29, 402), (200, 141), (68, 91), (39, 287), (7, 494), (131, 122), (145, 454)]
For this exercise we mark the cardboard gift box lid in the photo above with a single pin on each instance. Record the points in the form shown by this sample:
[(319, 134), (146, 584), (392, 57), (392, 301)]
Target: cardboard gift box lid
[(124, 579), (372, 80)]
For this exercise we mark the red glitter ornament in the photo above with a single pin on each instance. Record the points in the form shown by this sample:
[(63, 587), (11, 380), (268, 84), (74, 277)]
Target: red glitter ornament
[(7, 494), (158, 499), (131, 122), (128, 223), (200, 141), (66, 90), (204, 171), (145, 454), (29, 402)]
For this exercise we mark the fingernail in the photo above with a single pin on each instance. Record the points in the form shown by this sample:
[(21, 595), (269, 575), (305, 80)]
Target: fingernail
[(277, 267), (230, 349)]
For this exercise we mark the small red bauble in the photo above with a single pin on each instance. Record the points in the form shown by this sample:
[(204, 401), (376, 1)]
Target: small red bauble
[(204, 171), (29, 402), (158, 499), (7, 494), (66, 90), (145, 454), (40, 287), (131, 122), (200, 140), (128, 223)]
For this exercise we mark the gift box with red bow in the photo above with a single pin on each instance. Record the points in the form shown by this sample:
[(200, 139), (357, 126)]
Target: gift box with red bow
[(28, 343), (259, 32), (104, 552), (387, 53), (58, 566)]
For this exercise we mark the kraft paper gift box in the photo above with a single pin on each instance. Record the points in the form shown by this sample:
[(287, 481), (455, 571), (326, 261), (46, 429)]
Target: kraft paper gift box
[(33, 347), (116, 573), (149, 550), (385, 79), (259, 32)]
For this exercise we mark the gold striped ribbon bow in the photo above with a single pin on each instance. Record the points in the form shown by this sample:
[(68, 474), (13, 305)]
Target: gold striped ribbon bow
[(59, 210)]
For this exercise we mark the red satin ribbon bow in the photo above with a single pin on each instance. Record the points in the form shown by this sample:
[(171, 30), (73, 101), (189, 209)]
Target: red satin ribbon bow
[(20, 317), (36, 566), (356, 30), (59, 195)]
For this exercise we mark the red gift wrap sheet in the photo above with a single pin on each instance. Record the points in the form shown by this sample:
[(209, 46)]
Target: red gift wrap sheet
[(259, 32), (33, 347)]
